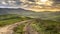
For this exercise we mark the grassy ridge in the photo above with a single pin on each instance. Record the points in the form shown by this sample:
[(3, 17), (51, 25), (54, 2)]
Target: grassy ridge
[(10, 19), (47, 26), (42, 26), (19, 29)]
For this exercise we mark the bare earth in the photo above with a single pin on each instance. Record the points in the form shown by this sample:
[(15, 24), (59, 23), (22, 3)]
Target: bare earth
[(29, 30), (8, 29)]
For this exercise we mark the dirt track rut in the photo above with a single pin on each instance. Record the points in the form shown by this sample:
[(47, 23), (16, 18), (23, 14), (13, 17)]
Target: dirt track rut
[(9, 28)]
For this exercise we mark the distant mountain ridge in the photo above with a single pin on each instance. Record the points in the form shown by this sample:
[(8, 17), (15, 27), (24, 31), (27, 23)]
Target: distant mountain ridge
[(34, 5), (29, 13)]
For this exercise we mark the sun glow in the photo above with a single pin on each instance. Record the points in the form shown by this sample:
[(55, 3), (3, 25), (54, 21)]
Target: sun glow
[(4, 3), (46, 2), (43, 1)]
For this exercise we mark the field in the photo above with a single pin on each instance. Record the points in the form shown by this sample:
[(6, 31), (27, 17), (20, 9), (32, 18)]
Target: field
[(38, 25), (47, 26), (10, 19), (41, 26)]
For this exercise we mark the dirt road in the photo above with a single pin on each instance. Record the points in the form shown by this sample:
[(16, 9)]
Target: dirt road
[(9, 28), (29, 30)]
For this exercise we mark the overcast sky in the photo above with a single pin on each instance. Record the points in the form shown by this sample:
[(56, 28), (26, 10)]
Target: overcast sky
[(17, 3)]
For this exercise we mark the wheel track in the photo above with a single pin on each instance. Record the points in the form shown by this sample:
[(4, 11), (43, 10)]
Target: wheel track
[(9, 28), (29, 30)]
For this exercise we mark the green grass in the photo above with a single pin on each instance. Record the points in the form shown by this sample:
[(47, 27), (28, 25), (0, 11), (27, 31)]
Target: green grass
[(46, 26), (10, 19), (55, 18), (19, 29), (41, 26)]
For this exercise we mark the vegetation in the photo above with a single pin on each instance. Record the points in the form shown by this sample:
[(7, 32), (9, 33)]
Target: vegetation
[(46, 26), (10, 19), (41, 26), (19, 29)]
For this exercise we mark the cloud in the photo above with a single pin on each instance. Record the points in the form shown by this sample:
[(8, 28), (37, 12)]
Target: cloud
[(25, 3), (56, 2), (4, 3)]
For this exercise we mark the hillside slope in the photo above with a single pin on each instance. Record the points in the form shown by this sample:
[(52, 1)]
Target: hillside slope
[(28, 13)]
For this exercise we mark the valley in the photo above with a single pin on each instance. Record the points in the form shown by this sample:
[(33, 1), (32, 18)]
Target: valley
[(20, 21), (27, 25)]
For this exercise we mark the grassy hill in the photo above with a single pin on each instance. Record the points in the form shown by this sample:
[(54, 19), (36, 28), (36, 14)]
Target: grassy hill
[(44, 23), (10, 19), (47, 26), (41, 26), (22, 12)]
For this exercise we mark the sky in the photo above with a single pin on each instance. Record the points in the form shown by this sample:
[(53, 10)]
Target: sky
[(29, 4)]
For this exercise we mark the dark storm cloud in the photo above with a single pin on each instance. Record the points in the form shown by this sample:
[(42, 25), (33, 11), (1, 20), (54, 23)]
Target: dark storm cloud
[(57, 1)]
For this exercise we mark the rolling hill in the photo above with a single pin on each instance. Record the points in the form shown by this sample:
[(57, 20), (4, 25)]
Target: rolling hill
[(28, 13)]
